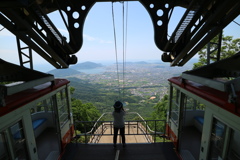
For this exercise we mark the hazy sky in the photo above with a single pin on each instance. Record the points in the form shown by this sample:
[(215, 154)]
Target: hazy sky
[(98, 44)]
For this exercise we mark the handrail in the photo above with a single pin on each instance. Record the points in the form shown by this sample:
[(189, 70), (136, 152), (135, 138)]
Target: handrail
[(98, 120), (97, 131), (146, 123)]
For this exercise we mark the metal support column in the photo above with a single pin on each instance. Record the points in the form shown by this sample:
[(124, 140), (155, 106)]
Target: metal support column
[(25, 54), (216, 47)]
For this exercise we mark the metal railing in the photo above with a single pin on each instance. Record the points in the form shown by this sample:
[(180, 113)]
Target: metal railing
[(94, 130)]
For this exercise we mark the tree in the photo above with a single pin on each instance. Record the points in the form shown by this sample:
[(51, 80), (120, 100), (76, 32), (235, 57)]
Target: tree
[(160, 109), (229, 47), (160, 113), (84, 112), (72, 89)]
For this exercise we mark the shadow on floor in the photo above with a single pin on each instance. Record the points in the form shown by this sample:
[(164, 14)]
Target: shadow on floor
[(47, 142), (191, 141), (155, 151)]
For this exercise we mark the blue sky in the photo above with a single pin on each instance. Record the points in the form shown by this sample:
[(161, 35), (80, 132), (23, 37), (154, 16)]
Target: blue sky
[(98, 44)]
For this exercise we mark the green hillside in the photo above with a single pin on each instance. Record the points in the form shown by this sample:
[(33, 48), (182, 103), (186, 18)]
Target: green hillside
[(104, 97)]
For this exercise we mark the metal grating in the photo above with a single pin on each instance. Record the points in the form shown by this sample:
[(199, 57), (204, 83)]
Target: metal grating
[(184, 25)]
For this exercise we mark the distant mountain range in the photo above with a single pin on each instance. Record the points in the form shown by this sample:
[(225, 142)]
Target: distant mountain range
[(73, 70), (139, 62), (86, 65)]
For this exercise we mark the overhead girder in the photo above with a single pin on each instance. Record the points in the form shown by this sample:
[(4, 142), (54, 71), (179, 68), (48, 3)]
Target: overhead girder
[(30, 37), (75, 25), (217, 17), (203, 20), (31, 25)]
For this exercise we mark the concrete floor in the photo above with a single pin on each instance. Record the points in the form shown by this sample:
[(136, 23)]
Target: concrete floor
[(154, 151)]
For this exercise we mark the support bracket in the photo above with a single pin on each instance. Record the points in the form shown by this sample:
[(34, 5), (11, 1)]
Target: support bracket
[(76, 12), (159, 12)]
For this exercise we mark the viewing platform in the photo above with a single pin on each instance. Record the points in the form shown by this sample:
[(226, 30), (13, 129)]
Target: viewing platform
[(134, 134), (145, 140)]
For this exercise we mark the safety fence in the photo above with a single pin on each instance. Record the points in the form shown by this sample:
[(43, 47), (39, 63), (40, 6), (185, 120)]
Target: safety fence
[(92, 131)]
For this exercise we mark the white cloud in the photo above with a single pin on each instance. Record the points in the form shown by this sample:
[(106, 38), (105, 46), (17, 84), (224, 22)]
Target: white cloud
[(103, 41), (89, 38), (96, 39)]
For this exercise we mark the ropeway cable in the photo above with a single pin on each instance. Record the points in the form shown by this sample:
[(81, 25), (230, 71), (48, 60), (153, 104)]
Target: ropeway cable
[(124, 48), (115, 42), (123, 16), (124, 45), (236, 23)]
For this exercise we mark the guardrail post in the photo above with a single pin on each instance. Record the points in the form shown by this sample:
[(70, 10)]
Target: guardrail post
[(155, 131), (111, 127), (137, 127), (85, 135), (102, 128), (146, 127), (128, 127), (165, 123), (75, 130)]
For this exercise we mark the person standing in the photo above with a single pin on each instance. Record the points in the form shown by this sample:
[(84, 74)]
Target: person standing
[(118, 123)]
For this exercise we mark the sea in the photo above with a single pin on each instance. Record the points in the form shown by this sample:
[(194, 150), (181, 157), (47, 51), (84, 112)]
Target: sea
[(46, 67)]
